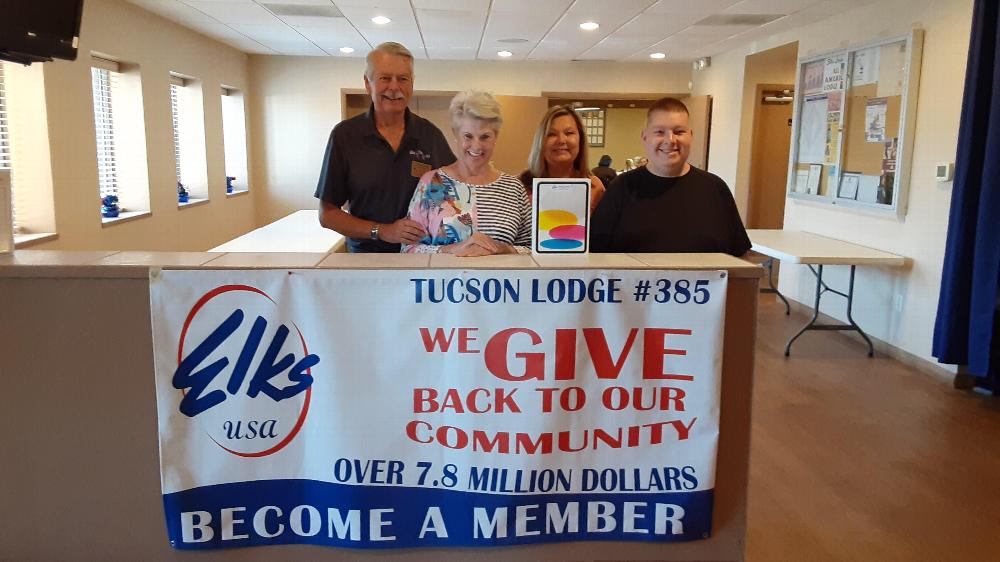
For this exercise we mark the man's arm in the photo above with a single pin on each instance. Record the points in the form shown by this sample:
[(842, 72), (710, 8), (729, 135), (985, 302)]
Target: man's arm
[(403, 231)]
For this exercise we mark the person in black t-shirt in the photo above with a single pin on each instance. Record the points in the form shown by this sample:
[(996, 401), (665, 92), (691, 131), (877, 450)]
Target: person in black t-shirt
[(668, 205)]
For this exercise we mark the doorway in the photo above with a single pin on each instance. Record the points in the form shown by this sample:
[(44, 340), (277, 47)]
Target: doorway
[(772, 134)]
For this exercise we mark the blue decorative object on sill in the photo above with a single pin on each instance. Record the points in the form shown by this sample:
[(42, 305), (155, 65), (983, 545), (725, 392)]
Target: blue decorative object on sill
[(229, 183), (109, 206), (182, 193)]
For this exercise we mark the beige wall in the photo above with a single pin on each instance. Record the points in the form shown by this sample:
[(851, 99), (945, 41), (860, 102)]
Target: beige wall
[(295, 102), (920, 235), (157, 46), (622, 127)]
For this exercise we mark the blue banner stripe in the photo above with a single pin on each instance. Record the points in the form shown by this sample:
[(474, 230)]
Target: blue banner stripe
[(270, 512)]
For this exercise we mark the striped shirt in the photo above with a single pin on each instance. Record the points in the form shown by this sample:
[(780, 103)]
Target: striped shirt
[(450, 210)]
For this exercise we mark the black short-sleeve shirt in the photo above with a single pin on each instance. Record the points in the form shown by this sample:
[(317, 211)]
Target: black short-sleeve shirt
[(643, 212), (361, 169)]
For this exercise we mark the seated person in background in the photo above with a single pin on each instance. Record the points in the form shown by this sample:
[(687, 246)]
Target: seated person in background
[(668, 205), (604, 171), (560, 151), (469, 208)]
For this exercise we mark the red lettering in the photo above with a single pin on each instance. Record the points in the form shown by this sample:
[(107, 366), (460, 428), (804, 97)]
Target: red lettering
[(614, 398), (670, 394), (496, 356), (464, 338), (424, 400), (600, 352), (547, 393), (565, 355), (472, 404), (504, 401), (437, 340), (461, 437), (411, 431), (482, 442), (654, 348), (452, 400), (574, 404)]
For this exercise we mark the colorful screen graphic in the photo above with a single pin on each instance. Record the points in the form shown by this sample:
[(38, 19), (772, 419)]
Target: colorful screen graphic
[(561, 217)]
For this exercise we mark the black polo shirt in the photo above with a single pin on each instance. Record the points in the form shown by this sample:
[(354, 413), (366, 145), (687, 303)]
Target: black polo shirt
[(360, 168)]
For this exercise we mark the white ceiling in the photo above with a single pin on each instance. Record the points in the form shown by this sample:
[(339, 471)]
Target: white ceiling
[(477, 29)]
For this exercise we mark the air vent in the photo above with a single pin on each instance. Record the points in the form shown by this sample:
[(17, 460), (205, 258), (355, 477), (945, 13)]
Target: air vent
[(308, 10), (512, 40), (740, 19)]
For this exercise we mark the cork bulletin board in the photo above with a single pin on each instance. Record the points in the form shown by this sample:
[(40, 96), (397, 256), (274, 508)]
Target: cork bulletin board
[(853, 125)]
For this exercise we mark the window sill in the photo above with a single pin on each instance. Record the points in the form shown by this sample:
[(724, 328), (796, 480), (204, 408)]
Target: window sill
[(124, 217), (192, 202), (238, 192), (26, 240)]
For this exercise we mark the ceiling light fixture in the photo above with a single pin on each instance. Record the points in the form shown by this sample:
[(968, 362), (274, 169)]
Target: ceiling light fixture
[(347, 50), (504, 54), (657, 56), (380, 20), (588, 109), (589, 25)]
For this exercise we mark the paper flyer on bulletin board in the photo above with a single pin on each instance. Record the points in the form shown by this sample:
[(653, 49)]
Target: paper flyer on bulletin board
[(812, 133), (834, 72), (875, 117)]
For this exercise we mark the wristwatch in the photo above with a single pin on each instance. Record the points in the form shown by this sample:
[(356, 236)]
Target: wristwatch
[(374, 232)]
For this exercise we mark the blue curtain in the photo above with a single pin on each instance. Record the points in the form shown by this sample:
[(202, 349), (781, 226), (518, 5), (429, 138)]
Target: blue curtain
[(963, 330)]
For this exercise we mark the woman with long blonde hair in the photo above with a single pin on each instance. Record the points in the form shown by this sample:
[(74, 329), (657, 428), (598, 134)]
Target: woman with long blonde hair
[(560, 151)]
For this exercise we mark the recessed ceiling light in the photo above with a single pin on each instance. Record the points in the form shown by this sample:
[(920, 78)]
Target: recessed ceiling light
[(589, 25), (347, 50), (657, 56), (504, 54), (380, 20)]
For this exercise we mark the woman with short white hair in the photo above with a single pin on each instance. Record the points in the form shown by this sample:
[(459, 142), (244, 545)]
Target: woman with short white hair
[(470, 208)]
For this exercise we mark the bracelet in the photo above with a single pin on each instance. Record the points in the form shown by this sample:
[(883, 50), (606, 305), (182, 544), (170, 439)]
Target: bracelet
[(374, 231)]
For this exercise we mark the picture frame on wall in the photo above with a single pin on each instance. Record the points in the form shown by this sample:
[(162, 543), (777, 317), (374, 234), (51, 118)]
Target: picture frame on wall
[(848, 188), (815, 175)]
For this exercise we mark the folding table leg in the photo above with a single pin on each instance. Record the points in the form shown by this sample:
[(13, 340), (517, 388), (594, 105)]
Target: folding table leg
[(769, 264)]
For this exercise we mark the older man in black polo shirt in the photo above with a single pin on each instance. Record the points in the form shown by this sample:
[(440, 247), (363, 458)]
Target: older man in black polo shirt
[(373, 160)]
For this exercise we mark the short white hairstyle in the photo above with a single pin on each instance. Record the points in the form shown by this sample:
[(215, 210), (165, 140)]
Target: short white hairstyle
[(387, 48), (477, 105)]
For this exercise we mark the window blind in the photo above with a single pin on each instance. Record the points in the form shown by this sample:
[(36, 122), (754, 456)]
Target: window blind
[(104, 85), (6, 162), (174, 93), (5, 159)]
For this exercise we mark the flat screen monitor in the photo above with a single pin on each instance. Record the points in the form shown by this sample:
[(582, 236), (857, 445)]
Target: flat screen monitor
[(39, 30)]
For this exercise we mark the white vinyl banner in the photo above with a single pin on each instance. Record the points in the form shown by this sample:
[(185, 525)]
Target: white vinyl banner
[(393, 408)]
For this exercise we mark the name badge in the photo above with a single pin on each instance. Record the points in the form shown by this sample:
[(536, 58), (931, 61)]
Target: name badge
[(418, 169)]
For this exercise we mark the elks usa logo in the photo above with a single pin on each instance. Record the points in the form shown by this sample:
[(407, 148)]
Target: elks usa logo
[(251, 404)]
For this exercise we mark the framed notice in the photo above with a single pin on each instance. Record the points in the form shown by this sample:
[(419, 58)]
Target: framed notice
[(849, 182), (560, 217), (812, 180)]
